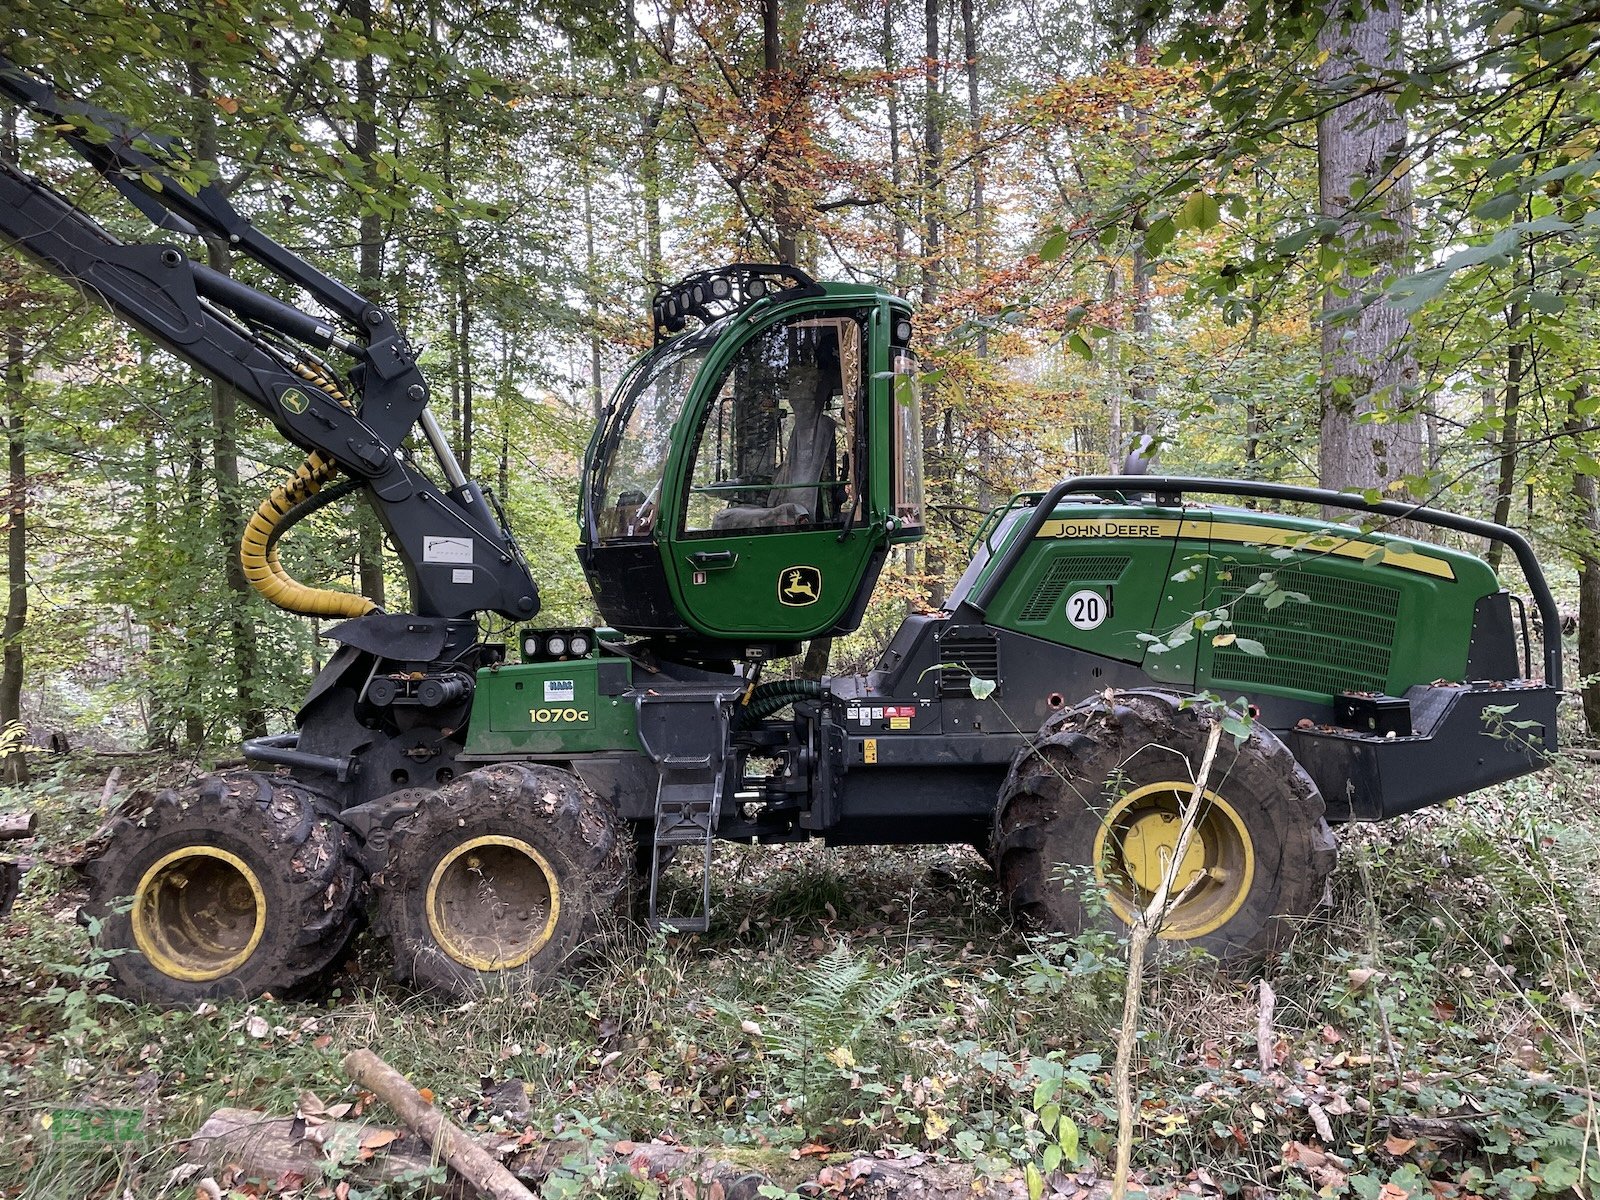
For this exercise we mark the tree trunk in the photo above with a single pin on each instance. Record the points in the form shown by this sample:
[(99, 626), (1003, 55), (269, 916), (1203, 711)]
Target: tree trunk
[(225, 463), (591, 283), (194, 715), (932, 155), (932, 164), (1368, 362), (369, 270), (896, 168), (984, 439), (785, 219), (969, 43), (14, 767), (1142, 278), (1510, 419), (460, 312), (650, 167), (230, 523), (468, 412), (1586, 493)]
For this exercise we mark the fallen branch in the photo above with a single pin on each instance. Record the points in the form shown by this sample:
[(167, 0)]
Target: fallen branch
[(1266, 1036), (1145, 927), (474, 1163), (273, 1148), (16, 826)]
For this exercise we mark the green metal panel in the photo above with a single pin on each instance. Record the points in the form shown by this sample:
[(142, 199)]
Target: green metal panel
[(1359, 612), (549, 709), (1364, 613)]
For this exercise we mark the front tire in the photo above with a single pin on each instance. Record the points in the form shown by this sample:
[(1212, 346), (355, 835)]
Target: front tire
[(239, 886), (1101, 789), (500, 879)]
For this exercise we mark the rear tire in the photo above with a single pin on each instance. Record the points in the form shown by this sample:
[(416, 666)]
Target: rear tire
[(1100, 790), (500, 880), (239, 886)]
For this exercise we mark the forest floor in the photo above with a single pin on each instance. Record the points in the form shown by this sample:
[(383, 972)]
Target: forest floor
[(1434, 1034)]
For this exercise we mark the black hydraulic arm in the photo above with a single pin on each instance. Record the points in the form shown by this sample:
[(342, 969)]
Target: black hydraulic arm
[(459, 557), (1172, 485)]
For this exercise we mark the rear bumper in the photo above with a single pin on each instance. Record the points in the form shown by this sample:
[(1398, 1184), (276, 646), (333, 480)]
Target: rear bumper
[(1466, 736)]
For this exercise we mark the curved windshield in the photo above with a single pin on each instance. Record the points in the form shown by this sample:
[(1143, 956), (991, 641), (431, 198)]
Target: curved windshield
[(631, 453)]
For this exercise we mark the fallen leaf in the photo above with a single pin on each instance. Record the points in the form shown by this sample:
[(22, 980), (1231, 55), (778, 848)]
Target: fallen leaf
[(257, 1027), (751, 1028), (377, 1139), (624, 1147), (1319, 1120), (1361, 976), (1398, 1145), (1393, 1191)]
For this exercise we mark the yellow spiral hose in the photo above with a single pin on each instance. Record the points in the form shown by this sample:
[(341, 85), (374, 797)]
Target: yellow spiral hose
[(259, 556)]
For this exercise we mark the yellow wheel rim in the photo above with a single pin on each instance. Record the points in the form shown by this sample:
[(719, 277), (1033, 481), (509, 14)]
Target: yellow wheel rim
[(1137, 840), (198, 913), (492, 903)]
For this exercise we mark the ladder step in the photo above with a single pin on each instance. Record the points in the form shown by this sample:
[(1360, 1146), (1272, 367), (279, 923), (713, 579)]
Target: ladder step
[(687, 737)]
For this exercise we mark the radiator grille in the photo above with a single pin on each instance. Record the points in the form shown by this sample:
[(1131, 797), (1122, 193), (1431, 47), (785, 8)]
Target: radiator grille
[(1342, 640), (1066, 571), (961, 658)]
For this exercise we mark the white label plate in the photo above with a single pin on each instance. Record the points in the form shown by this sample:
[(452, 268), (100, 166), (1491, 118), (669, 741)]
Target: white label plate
[(447, 549)]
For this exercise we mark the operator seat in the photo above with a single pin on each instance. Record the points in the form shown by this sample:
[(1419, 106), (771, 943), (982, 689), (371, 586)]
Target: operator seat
[(800, 488)]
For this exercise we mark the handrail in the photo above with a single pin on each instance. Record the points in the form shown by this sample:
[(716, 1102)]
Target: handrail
[(1175, 485), (995, 517)]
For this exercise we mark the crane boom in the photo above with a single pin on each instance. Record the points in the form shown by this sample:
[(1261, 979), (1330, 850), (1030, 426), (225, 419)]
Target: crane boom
[(459, 557)]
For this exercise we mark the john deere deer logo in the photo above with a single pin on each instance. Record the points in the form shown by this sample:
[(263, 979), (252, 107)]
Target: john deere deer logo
[(799, 586)]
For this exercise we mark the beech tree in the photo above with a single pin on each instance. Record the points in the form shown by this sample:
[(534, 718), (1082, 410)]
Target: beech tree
[(1371, 434)]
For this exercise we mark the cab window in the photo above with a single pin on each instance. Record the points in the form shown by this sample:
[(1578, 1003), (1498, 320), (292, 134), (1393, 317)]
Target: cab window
[(778, 443)]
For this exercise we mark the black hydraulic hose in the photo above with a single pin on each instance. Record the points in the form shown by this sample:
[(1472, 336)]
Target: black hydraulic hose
[(309, 505), (1172, 485), (280, 750), (768, 698)]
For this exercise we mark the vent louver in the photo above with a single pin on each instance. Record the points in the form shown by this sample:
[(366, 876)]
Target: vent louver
[(1064, 573), (963, 655), (1341, 639)]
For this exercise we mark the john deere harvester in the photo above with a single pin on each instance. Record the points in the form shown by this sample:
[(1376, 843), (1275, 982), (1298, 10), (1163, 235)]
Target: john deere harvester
[(741, 495)]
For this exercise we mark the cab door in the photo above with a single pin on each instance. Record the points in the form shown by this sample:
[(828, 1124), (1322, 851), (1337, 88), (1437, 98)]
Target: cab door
[(773, 535)]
